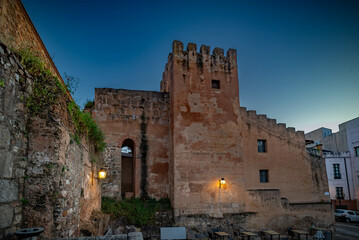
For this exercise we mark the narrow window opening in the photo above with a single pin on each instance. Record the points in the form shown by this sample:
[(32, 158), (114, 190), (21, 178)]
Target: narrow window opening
[(336, 171), (262, 145), (356, 149), (263, 176), (127, 168), (339, 192), (216, 84)]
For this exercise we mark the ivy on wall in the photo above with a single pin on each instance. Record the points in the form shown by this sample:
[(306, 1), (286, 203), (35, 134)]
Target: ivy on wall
[(47, 90)]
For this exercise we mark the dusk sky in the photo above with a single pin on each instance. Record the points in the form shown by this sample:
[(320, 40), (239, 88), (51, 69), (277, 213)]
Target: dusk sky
[(298, 61)]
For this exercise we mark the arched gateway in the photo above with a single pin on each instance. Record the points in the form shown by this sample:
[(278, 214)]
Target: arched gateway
[(127, 168)]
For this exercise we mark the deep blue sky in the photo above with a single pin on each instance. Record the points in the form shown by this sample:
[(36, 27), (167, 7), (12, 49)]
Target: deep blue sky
[(298, 60)]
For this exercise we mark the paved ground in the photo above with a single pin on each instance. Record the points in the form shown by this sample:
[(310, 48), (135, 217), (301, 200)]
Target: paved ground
[(346, 231)]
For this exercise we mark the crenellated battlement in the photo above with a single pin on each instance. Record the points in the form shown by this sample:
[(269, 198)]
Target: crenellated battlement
[(262, 120), (216, 61), (202, 66)]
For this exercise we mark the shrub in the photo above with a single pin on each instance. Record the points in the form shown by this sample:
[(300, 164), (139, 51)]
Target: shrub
[(85, 124), (137, 211), (89, 104)]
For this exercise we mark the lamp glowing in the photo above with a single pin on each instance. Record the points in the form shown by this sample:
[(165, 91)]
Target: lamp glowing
[(102, 174), (221, 182)]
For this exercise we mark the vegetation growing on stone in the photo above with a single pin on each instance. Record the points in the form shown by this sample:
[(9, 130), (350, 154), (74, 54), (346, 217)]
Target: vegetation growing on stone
[(85, 124), (135, 210), (24, 201), (89, 104), (47, 90), (94, 159)]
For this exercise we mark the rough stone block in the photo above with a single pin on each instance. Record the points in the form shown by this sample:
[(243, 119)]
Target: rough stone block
[(6, 164), (19, 173), (9, 190), (17, 219), (135, 236), (4, 137), (113, 237), (6, 216)]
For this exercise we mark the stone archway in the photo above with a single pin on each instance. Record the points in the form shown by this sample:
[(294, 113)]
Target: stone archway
[(128, 168)]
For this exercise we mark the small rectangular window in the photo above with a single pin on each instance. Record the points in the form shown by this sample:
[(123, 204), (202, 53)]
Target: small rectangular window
[(216, 84), (262, 145), (339, 193), (356, 149), (336, 171), (263, 176)]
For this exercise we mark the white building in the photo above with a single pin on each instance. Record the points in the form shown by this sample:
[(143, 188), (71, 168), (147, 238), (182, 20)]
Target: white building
[(352, 130), (340, 177), (341, 151)]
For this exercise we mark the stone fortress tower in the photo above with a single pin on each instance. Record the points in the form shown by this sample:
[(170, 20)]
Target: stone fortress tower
[(193, 133), (204, 130), (177, 143)]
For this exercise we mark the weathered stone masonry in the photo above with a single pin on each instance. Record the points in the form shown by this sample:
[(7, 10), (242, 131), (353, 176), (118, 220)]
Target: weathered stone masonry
[(17, 30), (208, 136), (13, 139), (183, 140), (46, 179), (143, 118)]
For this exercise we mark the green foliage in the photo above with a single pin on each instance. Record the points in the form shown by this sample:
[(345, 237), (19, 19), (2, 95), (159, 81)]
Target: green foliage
[(75, 137), (55, 195), (85, 124), (110, 206), (33, 63), (2, 82), (137, 212), (94, 159), (46, 91), (24, 201), (89, 104), (63, 169), (50, 166)]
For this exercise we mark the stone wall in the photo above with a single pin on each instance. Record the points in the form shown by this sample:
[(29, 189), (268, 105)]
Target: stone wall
[(17, 30), (46, 178), (61, 188), (143, 118), (295, 178), (204, 130), (15, 87), (212, 137), (285, 159)]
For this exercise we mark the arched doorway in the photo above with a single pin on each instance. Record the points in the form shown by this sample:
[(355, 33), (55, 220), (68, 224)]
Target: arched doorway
[(127, 168)]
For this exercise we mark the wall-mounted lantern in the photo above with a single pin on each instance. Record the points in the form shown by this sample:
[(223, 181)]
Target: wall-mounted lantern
[(221, 182), (102, 174)]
